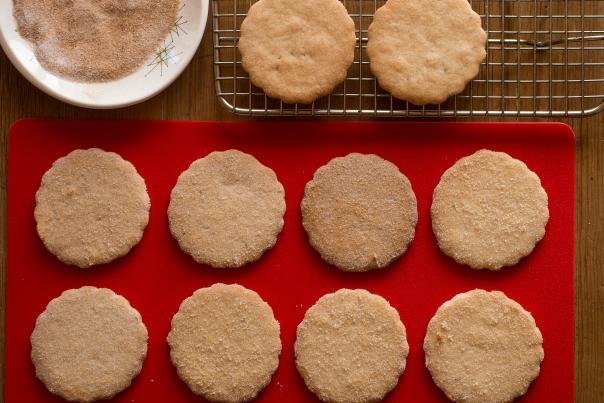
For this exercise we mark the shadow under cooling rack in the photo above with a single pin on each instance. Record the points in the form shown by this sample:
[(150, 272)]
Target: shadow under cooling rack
[(544, 58)]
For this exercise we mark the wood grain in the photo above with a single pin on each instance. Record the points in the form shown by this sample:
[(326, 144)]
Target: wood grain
[(192, 97)]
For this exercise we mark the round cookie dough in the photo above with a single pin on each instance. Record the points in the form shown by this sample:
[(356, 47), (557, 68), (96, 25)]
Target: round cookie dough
[(351, 347), (92, 207), (483, 347), (359, 212), (89, 344), (225, 343), (297, 51), (489, 210), (227, 209), (425, 51)]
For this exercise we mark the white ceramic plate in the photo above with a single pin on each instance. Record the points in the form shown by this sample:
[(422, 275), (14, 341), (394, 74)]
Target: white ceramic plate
[(162, 68)]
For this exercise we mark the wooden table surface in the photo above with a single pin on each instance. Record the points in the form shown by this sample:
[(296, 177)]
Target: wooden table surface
[(192, 97)]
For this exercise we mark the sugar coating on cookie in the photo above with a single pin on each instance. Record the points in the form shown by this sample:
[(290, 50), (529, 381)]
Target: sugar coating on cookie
[(88, 344), (225, 343), (425, 51), (227, 209), (351, 347), (359, 212), (489, 210), (297, 51), (92, 207), (483, 347)]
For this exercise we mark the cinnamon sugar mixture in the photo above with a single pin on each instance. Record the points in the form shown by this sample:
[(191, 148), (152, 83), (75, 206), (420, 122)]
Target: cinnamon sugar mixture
[(94, 40)]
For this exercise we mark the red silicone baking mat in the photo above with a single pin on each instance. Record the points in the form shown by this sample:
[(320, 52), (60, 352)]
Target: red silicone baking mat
[(156, 276)]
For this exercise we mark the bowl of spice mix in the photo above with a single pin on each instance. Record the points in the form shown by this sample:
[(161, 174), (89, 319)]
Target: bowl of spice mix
[(102, 54)]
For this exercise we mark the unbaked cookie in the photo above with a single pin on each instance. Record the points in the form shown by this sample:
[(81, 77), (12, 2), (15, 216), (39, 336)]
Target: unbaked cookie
[(225, 343), (297, 51), (359, 212), (425, 51), (92, 207), (483, 347), (88, 344), (489, 210), (351, 347), (227, 209)]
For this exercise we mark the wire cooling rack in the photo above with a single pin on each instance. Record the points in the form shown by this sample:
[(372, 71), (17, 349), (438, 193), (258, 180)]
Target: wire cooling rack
[(544, 58)]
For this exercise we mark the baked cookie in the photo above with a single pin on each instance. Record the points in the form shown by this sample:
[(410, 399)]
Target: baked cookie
[(359, 212), (92, 207), (225, 343), (297, 51), (88, 344), (483, 347), (227, 209), (425, 51), (489, 210), (351, 347)]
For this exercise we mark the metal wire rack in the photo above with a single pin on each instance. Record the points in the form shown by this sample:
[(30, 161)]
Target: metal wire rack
[(544, 58)]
